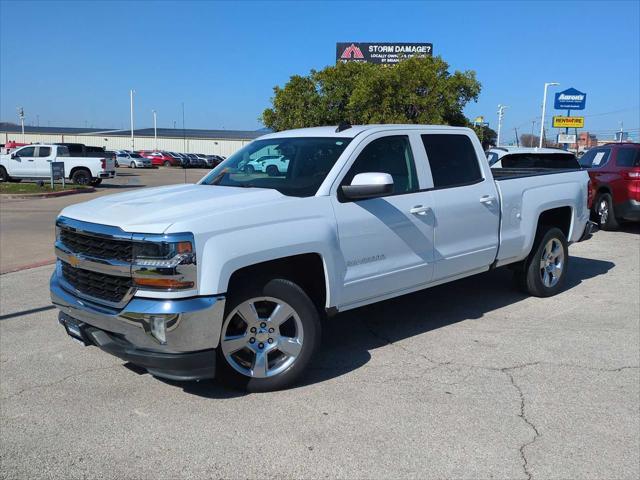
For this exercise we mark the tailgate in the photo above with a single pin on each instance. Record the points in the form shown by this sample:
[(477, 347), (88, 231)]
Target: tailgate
[(109, 164)]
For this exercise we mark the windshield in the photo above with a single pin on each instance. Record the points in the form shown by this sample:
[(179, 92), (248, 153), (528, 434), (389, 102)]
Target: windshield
[(492, 157), (293, 166)]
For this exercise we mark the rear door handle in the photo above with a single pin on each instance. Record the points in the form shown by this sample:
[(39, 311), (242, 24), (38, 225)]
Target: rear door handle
[(420, 210), (487, 199)]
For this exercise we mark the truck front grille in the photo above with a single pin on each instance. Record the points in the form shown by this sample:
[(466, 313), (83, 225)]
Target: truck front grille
[(97, 247), (110, 288)]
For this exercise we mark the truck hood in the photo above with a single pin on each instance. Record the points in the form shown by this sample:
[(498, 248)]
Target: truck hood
[(154, 210)]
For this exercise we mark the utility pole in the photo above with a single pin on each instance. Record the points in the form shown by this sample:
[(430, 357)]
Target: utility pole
[(517, 139), (155, 130), (21, 116), (184, 145), (131, 92), (501, 109), (533, 126), (544, 107), (620, 141)]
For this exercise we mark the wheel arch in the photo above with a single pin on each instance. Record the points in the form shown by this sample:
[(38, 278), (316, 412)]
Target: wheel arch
[(76, 169)]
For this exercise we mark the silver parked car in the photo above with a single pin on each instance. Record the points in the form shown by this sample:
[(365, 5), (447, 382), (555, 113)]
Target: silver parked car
[(133, 160)]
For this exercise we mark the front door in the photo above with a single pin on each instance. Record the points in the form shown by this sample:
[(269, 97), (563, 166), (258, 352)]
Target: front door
[(386, 242), (24, 162)]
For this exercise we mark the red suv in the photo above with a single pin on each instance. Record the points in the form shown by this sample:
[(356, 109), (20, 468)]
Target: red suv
[(614, 187), (160, 158)]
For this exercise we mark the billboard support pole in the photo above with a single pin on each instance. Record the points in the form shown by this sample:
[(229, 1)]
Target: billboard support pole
[(566, 131)]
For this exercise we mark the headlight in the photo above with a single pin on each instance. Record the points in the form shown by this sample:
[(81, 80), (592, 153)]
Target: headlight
[(165, 262)]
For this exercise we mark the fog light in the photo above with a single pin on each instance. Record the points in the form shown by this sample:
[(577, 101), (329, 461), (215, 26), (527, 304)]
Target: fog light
[(158, 328)]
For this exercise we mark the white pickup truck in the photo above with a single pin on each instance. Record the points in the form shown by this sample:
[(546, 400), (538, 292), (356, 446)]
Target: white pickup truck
[(34, 162), (232, 277)]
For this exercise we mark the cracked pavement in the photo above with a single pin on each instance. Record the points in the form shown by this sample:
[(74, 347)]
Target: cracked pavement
[(466, 380)]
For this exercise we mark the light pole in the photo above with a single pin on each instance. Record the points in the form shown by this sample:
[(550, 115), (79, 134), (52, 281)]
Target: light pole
[(131, 92), (501, 109), (544, 107), (155, 129), (21, 116)]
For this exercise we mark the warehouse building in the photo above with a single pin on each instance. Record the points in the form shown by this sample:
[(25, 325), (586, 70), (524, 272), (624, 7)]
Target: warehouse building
[(208, 142)]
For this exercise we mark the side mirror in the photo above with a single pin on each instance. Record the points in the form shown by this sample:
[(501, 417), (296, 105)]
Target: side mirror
[(368, 185), (13, 156)]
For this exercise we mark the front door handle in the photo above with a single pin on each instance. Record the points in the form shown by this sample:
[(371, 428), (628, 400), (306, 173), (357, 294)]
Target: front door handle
[(487, 199), (31, 159), (420, 210)]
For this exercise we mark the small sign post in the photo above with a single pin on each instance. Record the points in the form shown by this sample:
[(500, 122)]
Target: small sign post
[(57, 172)]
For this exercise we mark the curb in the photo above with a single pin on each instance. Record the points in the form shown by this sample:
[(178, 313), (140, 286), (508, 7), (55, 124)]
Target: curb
[(64, 193), (29, 266)]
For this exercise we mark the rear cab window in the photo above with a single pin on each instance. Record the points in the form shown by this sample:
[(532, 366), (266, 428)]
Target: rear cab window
[(452, 159), (44, 152), (558, 160)]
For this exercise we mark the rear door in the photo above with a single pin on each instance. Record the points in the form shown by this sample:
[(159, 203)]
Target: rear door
[(43, 159), (386, 242), (465, 204)]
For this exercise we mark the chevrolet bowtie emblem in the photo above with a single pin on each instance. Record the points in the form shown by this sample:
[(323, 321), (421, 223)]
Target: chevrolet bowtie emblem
[(74, 261)]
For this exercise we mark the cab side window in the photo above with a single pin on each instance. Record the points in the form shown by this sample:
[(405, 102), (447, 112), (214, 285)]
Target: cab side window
[(44, 151), (390, 155), (452, 160), (26, 152)]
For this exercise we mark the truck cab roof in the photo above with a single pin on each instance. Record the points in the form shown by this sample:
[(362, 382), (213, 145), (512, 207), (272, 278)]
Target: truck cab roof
[(354, 130)]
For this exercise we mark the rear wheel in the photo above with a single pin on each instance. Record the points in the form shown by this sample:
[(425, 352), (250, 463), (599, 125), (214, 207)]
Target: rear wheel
[(269, 336), (272, 171), (81, 177), (250, 169), (604, 213), (167, 163), (544, 272)]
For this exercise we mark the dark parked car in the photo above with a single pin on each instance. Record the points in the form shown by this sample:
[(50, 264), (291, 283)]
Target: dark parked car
[(614, 189)]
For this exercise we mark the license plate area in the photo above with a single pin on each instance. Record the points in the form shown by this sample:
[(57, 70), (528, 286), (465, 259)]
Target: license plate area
[(75, 329)]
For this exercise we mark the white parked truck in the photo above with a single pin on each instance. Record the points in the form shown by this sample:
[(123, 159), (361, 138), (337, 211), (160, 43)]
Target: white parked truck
[(34, 162), (232, 276)]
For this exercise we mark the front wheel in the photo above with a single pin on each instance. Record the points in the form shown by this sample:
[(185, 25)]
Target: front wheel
[(166, 163), (250, 170), (4, 176), (132, 165), (269, 336), (544, 272)]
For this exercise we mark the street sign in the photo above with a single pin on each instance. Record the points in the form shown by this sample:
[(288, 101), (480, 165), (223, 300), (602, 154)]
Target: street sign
[(570, 99), (57, 172), (387, 53), (566, 138), (568, 122)]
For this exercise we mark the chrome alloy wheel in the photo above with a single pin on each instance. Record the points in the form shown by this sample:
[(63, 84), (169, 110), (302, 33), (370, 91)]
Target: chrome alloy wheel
[(603, 211), (262, 337), (552, 262)]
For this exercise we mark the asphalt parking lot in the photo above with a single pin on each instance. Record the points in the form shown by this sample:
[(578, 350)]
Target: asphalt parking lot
[(466, 380), (27, 225)]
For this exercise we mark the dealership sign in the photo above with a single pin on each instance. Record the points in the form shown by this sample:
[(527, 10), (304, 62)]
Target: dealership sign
[(570, 99), (568, 122), (566, 138), (381, 52)]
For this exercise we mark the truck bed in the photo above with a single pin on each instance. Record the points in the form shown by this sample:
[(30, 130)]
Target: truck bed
[(511, 173)]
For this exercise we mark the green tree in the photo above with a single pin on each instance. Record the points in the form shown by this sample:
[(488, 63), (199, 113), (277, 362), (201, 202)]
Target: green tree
[(416, 90), (487, 136)]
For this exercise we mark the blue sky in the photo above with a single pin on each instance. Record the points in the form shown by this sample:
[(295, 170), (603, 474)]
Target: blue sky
[(73, 63)]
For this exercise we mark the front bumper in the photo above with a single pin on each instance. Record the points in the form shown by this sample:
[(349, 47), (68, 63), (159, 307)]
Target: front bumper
[(192, 330)]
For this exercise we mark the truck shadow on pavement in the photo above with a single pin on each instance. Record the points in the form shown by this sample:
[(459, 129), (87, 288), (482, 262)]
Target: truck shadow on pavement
[(349, 337)]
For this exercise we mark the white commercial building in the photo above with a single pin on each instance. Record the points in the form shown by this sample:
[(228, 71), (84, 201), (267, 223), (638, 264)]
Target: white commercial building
[(208, 142)]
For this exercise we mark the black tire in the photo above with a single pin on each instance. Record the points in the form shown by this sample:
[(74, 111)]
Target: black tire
[(250, 170), (81, 177), (535, 280), (95, 182), (166, 163), (4, 177), (604, 213), (117, 164), (272, 171), (132, 165), (296, 297)]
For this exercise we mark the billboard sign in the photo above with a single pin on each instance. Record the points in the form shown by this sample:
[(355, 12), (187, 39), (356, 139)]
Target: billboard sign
[(566, 138), (568, 122), (387, 53), (570, 99)]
